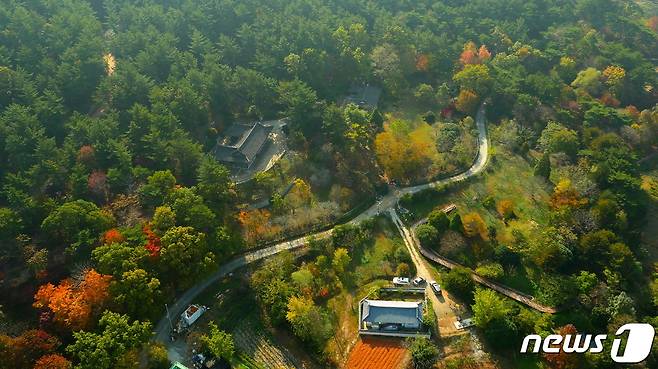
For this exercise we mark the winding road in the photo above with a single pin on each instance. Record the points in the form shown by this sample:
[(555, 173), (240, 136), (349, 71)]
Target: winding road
[(176, 349)]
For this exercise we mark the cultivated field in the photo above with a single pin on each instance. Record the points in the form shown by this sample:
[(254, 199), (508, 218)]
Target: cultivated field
[(377, 353), (261, 349)]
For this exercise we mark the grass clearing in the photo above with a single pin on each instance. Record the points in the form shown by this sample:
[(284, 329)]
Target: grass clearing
[(508, 177)]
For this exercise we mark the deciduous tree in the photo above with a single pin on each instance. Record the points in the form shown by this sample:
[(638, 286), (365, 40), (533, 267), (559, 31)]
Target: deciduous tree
[(218, 342), (52, 361), (74, 305), (116, 337), (474, 225)]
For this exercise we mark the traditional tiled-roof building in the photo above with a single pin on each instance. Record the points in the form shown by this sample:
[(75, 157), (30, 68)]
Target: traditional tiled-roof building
[(241, 144)]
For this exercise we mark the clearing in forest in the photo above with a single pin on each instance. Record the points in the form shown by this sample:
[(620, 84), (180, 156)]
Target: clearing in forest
[(377, 353)]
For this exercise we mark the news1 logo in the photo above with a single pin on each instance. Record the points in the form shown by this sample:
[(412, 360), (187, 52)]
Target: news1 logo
[(638, 343)]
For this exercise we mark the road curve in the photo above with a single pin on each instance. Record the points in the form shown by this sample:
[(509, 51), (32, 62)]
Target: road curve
[(162, 329)]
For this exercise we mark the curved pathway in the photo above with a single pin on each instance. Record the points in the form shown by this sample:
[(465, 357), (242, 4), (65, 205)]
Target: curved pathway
[(175, 349)]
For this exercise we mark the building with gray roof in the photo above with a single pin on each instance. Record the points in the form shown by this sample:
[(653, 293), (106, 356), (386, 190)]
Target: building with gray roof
[(365, 96), (241, 144), (391, 318)]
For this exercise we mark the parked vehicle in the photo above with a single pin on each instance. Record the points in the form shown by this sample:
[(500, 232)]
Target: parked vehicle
[(435, 287), (189, 317), (401, 281), (419, 281)]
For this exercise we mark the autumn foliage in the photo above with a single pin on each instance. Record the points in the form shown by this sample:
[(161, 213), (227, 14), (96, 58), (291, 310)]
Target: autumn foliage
[(653, 23), (86, 155), (473, 55), (113, 236), (72, 304), (97, 184), (22, 351), (467, 101), (614, 74), (52, 361), (506, 209), (565, 196), (403, 155), (474, 225), (153, 245), (256, 225), (563, 360), (422, 63)]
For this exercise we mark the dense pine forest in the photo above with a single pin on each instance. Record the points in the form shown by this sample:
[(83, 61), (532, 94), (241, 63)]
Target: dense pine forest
[(111, 203)]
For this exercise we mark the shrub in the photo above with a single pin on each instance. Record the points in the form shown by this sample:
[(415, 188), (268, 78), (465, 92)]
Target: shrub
[(427, 235), (490, 270)]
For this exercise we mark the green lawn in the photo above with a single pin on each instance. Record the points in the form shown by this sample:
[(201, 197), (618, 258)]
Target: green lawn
[(508, 177)]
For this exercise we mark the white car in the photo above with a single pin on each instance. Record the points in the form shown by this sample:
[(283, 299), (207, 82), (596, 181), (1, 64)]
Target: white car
[(401, 281), (418, 281), (435, 287)]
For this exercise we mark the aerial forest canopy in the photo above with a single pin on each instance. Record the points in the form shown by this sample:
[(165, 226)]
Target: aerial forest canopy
[(111, 202)]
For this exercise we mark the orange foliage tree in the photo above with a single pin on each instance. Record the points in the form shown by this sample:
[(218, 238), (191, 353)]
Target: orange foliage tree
[(256, 225), (473, 55), (52, 361), (97, 184), (484, 54), (22, 351), (74, 304), (86, 155), (113, 236), (469, 55), (153, 245)]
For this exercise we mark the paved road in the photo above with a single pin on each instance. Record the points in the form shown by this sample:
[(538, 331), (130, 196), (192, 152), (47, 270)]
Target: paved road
[(445, 315), (175, 349), (480, 163)]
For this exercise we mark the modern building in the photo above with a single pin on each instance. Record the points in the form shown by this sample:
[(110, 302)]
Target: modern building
[(364, 95), (241, 144), (391, 318)]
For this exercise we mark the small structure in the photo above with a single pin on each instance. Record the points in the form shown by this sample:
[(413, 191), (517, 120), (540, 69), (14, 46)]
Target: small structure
[(177, 365), (190, 316), (463, 324), (391, 318), (364, 95), (241, 144)]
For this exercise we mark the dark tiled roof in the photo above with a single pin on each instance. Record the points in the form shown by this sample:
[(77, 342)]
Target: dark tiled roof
[(365, 96), (242, 143), (396, 312)]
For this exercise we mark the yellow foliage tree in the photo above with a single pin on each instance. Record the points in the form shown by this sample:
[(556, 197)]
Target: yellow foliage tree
[(467, 101), (565, 196), (403, 154), (505, 209), (300, 195), (474, 225)]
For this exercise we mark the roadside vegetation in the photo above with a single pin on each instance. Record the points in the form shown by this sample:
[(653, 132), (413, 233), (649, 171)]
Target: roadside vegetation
[(318, 299), (111, 203)]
